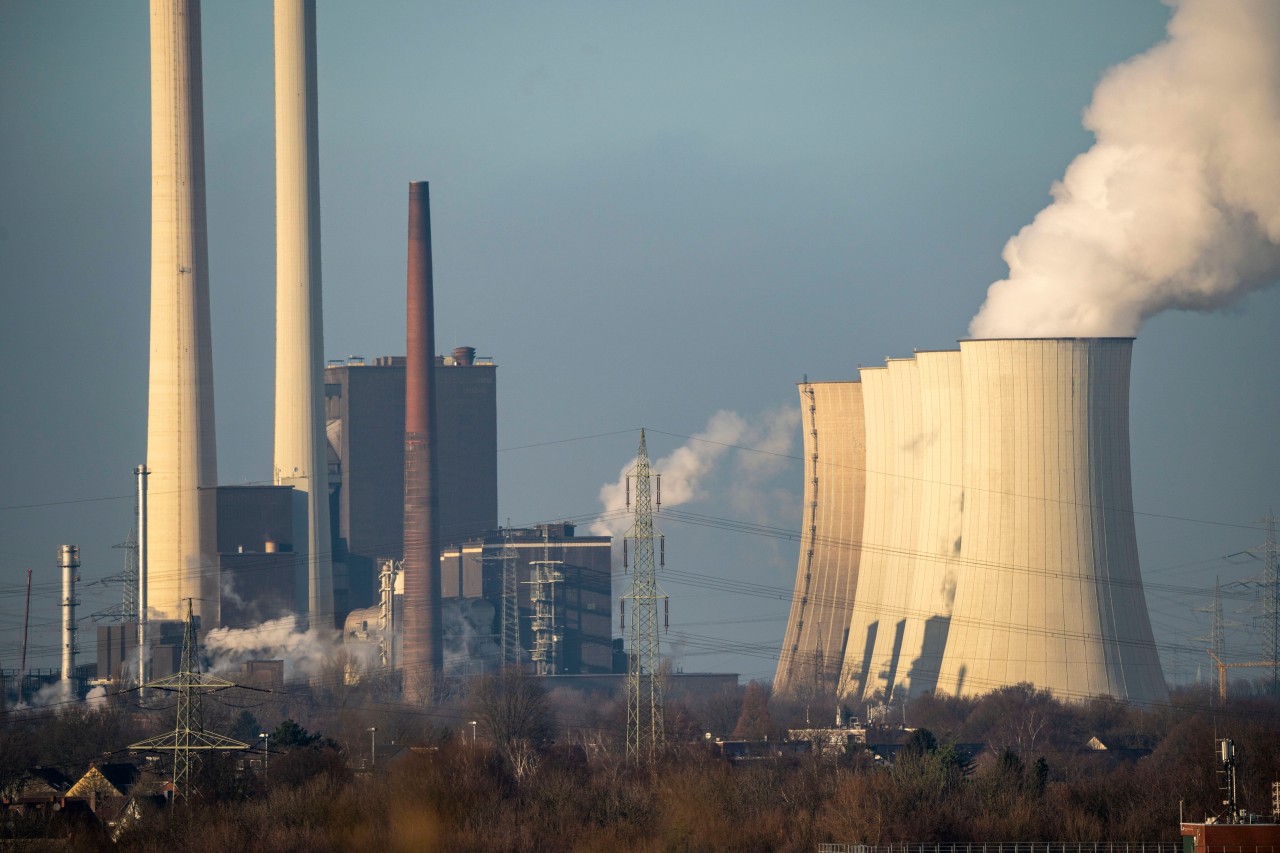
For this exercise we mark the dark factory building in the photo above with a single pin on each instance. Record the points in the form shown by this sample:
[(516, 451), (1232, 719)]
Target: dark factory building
[(365, 415), (575, 619), (251, 544)]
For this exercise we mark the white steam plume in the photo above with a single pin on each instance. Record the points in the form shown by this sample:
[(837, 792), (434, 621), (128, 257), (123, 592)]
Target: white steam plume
[(305, 653), (685, 470), (1177, 205), (682, 472)]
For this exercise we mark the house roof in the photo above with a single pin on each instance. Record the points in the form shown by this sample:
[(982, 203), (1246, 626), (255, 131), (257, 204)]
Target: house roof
[(109, 780)]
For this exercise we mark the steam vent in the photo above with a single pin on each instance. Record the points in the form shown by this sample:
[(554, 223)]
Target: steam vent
[(992, 489)]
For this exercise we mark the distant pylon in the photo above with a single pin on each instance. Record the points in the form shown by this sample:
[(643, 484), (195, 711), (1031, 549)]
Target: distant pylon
[(1271, 601), (510, 603), (645, 732), (544, 574), (188, 738), (1216, 638), (127, 610)]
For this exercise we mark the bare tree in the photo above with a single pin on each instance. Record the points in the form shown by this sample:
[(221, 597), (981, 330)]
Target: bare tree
[(516, 716)]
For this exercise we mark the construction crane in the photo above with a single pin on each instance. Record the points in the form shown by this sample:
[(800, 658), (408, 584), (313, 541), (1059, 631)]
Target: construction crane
[(1223, 667)]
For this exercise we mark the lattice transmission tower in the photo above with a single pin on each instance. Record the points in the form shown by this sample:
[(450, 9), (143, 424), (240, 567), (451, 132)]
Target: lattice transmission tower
[(1271, 601), (510, 603), (188, 740), (127, 609), (645, 732), (1216, 639), (548, 637)]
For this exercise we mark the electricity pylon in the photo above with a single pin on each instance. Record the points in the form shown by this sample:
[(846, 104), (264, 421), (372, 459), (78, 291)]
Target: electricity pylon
[(188, 738), (127, 610), (645, 732), (510, 604), (1271, 601)]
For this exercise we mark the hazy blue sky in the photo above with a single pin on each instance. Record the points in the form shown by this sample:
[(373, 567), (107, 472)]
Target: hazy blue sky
[(645, 213)]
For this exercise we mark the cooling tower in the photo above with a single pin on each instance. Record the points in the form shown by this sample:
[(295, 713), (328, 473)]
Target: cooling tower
[(1050, 591), (180, 440), (883, 605), (934, 570), (422, 654), (827, 575), (300, 448), (862, 669)]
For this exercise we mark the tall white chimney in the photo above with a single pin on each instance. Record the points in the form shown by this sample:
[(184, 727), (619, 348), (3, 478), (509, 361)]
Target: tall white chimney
[(141, 472), (300, 451), (69, 563), (181, 454)]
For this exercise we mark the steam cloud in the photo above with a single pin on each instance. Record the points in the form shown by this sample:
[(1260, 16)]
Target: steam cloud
[(686, 468), (1177, 205), (305, 653)]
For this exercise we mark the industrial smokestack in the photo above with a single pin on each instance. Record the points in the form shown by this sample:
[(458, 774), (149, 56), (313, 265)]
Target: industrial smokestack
[(69, 563), (181, 453), (141, 473), (422, 651), (299, 418)]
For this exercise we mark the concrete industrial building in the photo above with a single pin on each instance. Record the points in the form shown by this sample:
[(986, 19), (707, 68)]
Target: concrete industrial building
[(998, 543), (365, 412), (575, 625), (181, 453), (251, 550)]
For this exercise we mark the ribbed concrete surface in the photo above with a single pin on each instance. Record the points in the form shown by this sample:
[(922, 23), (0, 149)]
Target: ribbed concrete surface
[(862, 670), (830, 544), (934, 572), (1050, 591)]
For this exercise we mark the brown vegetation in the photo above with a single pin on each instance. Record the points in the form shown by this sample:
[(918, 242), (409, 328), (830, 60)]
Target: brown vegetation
[(545, 773)]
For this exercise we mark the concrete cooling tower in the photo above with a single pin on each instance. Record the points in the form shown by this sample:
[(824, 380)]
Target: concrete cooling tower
[(829, 550), (1050, 589), (998, 543), (180, 439)]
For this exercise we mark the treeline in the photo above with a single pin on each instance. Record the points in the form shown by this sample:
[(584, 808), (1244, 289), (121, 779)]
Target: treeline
[(509, 767)]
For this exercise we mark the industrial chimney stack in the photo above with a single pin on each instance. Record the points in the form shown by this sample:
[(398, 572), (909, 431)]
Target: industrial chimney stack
[(422, 649), (300, 459), (181, 454), (69, 564)]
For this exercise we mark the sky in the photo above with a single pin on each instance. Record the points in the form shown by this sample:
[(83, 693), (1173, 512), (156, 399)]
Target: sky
[(658, 215)]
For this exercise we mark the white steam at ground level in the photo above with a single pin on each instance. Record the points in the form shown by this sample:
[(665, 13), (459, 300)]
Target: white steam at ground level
[(305, 653), (1177, 205)]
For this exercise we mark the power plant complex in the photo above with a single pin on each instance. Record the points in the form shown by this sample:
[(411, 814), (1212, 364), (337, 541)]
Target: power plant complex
[(381, 471), (969, 525), (967, 520)]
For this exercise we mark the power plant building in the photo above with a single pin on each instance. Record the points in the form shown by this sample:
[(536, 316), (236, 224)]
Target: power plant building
[(365, 405), (565, 622), (250, 547), (575, 624), (998, 543)]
